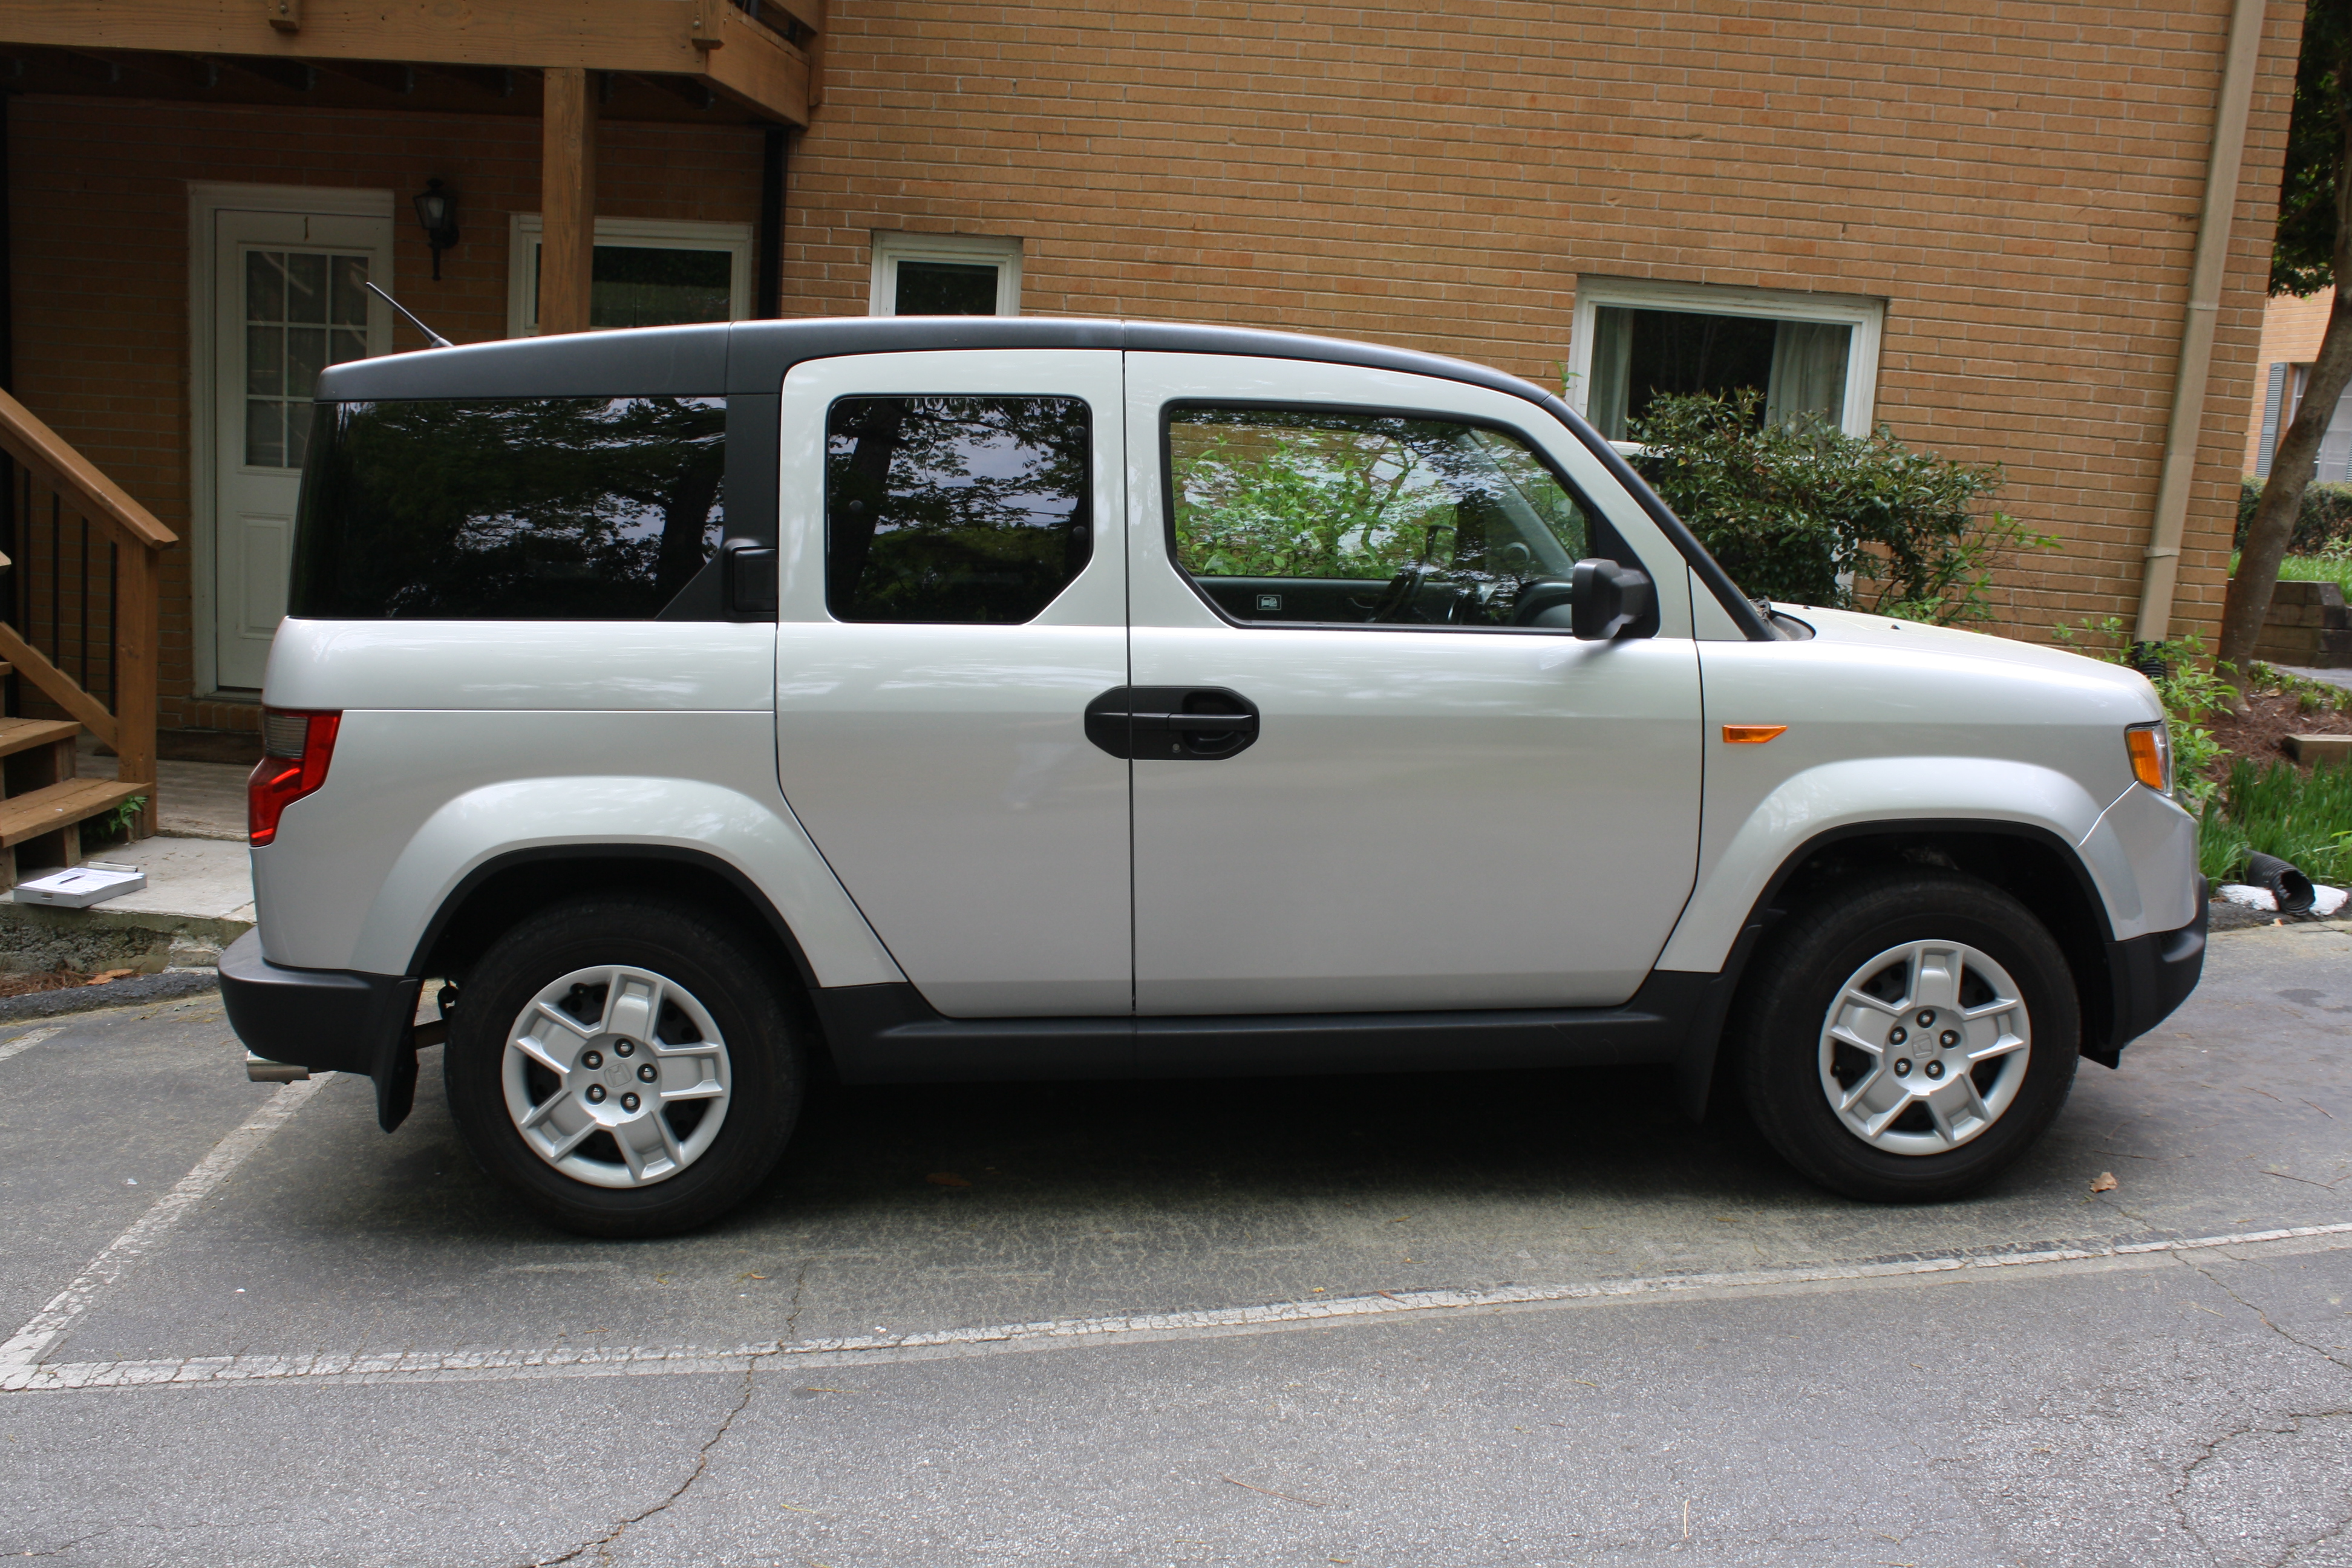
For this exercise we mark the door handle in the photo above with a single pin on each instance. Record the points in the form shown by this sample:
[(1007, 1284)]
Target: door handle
[(1173, 723)]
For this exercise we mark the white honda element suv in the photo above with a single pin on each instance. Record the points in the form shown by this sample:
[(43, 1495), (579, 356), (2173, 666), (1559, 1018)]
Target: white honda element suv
[(961, 698)]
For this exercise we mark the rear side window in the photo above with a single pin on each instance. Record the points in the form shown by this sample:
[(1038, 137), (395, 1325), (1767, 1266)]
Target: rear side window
[(953, 509), (544, 509)]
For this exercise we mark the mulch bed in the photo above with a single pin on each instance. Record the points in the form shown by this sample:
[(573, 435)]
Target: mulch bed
[(2270, 718)]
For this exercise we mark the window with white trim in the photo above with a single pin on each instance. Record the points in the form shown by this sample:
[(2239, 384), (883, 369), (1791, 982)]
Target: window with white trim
[(945, 275), (647, 273), (1804, 355)]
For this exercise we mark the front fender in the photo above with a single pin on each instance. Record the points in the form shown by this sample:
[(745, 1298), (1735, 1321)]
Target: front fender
[(1895, 791)]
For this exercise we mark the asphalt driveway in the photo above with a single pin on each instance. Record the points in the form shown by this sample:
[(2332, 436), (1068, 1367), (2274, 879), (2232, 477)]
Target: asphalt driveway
[(1524, 1319)]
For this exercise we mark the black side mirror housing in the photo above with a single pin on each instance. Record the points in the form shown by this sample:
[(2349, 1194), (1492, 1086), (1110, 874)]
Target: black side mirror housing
[(1607, 599)]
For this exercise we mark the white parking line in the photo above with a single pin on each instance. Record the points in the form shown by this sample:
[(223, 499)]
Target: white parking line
[(473, 1366), (28, 1039), (24, 1349)]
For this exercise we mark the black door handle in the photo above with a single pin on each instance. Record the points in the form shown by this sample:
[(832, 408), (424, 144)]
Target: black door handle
[(1173, 723)]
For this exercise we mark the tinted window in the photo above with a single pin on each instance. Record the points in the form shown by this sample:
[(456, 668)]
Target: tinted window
[(954, 508), (1311, 515), (527, 509)]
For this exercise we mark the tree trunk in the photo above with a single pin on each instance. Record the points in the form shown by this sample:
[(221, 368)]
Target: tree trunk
[(2292, 467)]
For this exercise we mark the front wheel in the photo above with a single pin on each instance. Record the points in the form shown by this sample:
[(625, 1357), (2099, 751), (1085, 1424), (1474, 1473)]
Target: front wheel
[(626, 1066), (1908, 1038)]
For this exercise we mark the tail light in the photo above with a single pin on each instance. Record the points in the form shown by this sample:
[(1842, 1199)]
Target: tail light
[(296, 749)]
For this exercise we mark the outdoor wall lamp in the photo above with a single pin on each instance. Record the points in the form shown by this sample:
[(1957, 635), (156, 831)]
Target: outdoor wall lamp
[(436, 209)]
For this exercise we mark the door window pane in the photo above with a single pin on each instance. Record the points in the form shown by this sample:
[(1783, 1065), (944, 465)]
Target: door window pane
[(963, 510), (945, 289), (1798, 367), (289, 297), (1340, 518), (524, 509)]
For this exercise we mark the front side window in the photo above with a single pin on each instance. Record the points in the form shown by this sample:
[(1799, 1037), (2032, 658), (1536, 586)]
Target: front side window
[(958, 510), (1334, 518), (509, 509)]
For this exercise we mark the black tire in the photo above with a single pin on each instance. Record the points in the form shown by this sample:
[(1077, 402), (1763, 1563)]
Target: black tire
[(732, 977), (1784, 1013)]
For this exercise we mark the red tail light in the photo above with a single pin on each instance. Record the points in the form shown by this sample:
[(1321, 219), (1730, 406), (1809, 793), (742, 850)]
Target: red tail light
[(296, 750)]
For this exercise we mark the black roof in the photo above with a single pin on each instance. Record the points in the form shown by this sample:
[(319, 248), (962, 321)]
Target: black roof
[(730, 358), (753, 356)]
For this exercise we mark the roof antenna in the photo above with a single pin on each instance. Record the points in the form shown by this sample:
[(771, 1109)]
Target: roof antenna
[(436, 339)]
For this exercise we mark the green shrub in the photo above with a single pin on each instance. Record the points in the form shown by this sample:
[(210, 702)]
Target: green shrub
[(1804, 513), (2326, 518)]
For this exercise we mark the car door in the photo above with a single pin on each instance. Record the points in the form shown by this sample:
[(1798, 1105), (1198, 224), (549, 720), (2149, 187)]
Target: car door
[(949, 605), (1428, 795)]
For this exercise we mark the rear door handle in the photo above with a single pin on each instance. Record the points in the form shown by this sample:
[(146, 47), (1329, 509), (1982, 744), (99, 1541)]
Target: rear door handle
[(1173, 723)]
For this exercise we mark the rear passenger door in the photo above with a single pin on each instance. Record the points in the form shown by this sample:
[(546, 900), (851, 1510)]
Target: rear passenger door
[(952, 589)]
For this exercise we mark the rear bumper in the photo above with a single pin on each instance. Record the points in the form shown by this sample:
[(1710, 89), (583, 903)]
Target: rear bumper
[(2147, 977), (327, 1020)]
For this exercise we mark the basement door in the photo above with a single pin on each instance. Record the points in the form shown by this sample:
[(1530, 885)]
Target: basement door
[(288, 302)]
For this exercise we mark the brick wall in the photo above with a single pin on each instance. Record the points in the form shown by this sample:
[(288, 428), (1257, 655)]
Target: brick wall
[(2020, 182), (99, 222)]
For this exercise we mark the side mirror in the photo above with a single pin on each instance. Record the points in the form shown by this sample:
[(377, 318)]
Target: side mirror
[(1607, 599)]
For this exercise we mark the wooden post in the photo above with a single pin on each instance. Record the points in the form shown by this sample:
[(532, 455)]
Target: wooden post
[(567, 201), (136, 633)]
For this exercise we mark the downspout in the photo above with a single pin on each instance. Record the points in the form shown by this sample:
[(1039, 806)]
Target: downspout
[(2181, 436), (768, 293)]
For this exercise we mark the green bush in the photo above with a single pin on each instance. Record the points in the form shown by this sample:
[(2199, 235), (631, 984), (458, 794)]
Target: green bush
[(1804, 513), (2326, 518)]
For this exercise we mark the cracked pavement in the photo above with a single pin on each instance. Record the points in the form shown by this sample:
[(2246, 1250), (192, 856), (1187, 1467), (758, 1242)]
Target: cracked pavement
[(2169, 1407)]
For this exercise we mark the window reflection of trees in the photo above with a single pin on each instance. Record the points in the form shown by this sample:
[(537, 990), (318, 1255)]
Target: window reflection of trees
[(539, 509), (1279, 494), (951, 509)]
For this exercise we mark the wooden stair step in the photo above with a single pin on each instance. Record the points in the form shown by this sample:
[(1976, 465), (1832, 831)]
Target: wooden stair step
[(36, 811), (23, 734)]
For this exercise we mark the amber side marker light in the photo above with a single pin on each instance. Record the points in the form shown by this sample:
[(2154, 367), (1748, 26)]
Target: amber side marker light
[(2150, 746), (1751, 734)]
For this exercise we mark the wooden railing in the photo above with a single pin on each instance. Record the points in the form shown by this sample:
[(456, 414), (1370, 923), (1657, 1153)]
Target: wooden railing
[(82, 601)]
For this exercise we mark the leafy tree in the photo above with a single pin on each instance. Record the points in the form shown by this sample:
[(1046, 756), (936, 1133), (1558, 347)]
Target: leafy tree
[(2311, 251), (1806, 514)]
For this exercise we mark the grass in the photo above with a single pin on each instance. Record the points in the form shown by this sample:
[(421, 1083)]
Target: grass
[(2335, 566), (2279, 809)]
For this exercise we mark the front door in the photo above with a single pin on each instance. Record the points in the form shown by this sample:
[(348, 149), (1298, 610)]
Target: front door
[(953, 594), (1431, 795), (288, 302)]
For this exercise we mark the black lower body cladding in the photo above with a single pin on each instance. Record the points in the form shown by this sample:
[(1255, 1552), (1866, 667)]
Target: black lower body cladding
[(328, 1020), (2147, 977)]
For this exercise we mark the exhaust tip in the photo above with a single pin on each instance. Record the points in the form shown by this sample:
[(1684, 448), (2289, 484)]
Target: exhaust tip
[(261, 1069)]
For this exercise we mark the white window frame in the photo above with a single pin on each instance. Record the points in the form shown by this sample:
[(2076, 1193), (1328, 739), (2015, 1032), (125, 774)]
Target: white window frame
[(1865, 315), (524, 231), (969, 249)]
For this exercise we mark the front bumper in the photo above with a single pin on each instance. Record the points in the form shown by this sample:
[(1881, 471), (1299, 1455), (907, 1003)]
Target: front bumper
[(2147, 977), (326, 1020)]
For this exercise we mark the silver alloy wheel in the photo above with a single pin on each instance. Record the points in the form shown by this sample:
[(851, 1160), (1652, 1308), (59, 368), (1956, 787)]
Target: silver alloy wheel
[(1924, 1047), (623, 1053)]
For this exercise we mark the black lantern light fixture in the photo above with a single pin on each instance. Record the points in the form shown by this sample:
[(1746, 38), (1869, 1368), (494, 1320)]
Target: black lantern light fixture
[(436, 209)]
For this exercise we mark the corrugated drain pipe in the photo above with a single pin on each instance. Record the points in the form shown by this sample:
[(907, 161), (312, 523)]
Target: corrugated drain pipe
[(2180, 439)]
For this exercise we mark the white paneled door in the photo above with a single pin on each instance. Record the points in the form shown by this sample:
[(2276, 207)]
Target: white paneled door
[(288, 302)]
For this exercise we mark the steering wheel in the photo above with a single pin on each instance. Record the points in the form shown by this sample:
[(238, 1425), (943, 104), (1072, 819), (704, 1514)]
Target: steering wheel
[(1398, 597)]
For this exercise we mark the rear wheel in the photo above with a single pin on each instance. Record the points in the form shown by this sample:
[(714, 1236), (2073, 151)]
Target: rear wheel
[(1909, 1037), (627, 1066)]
